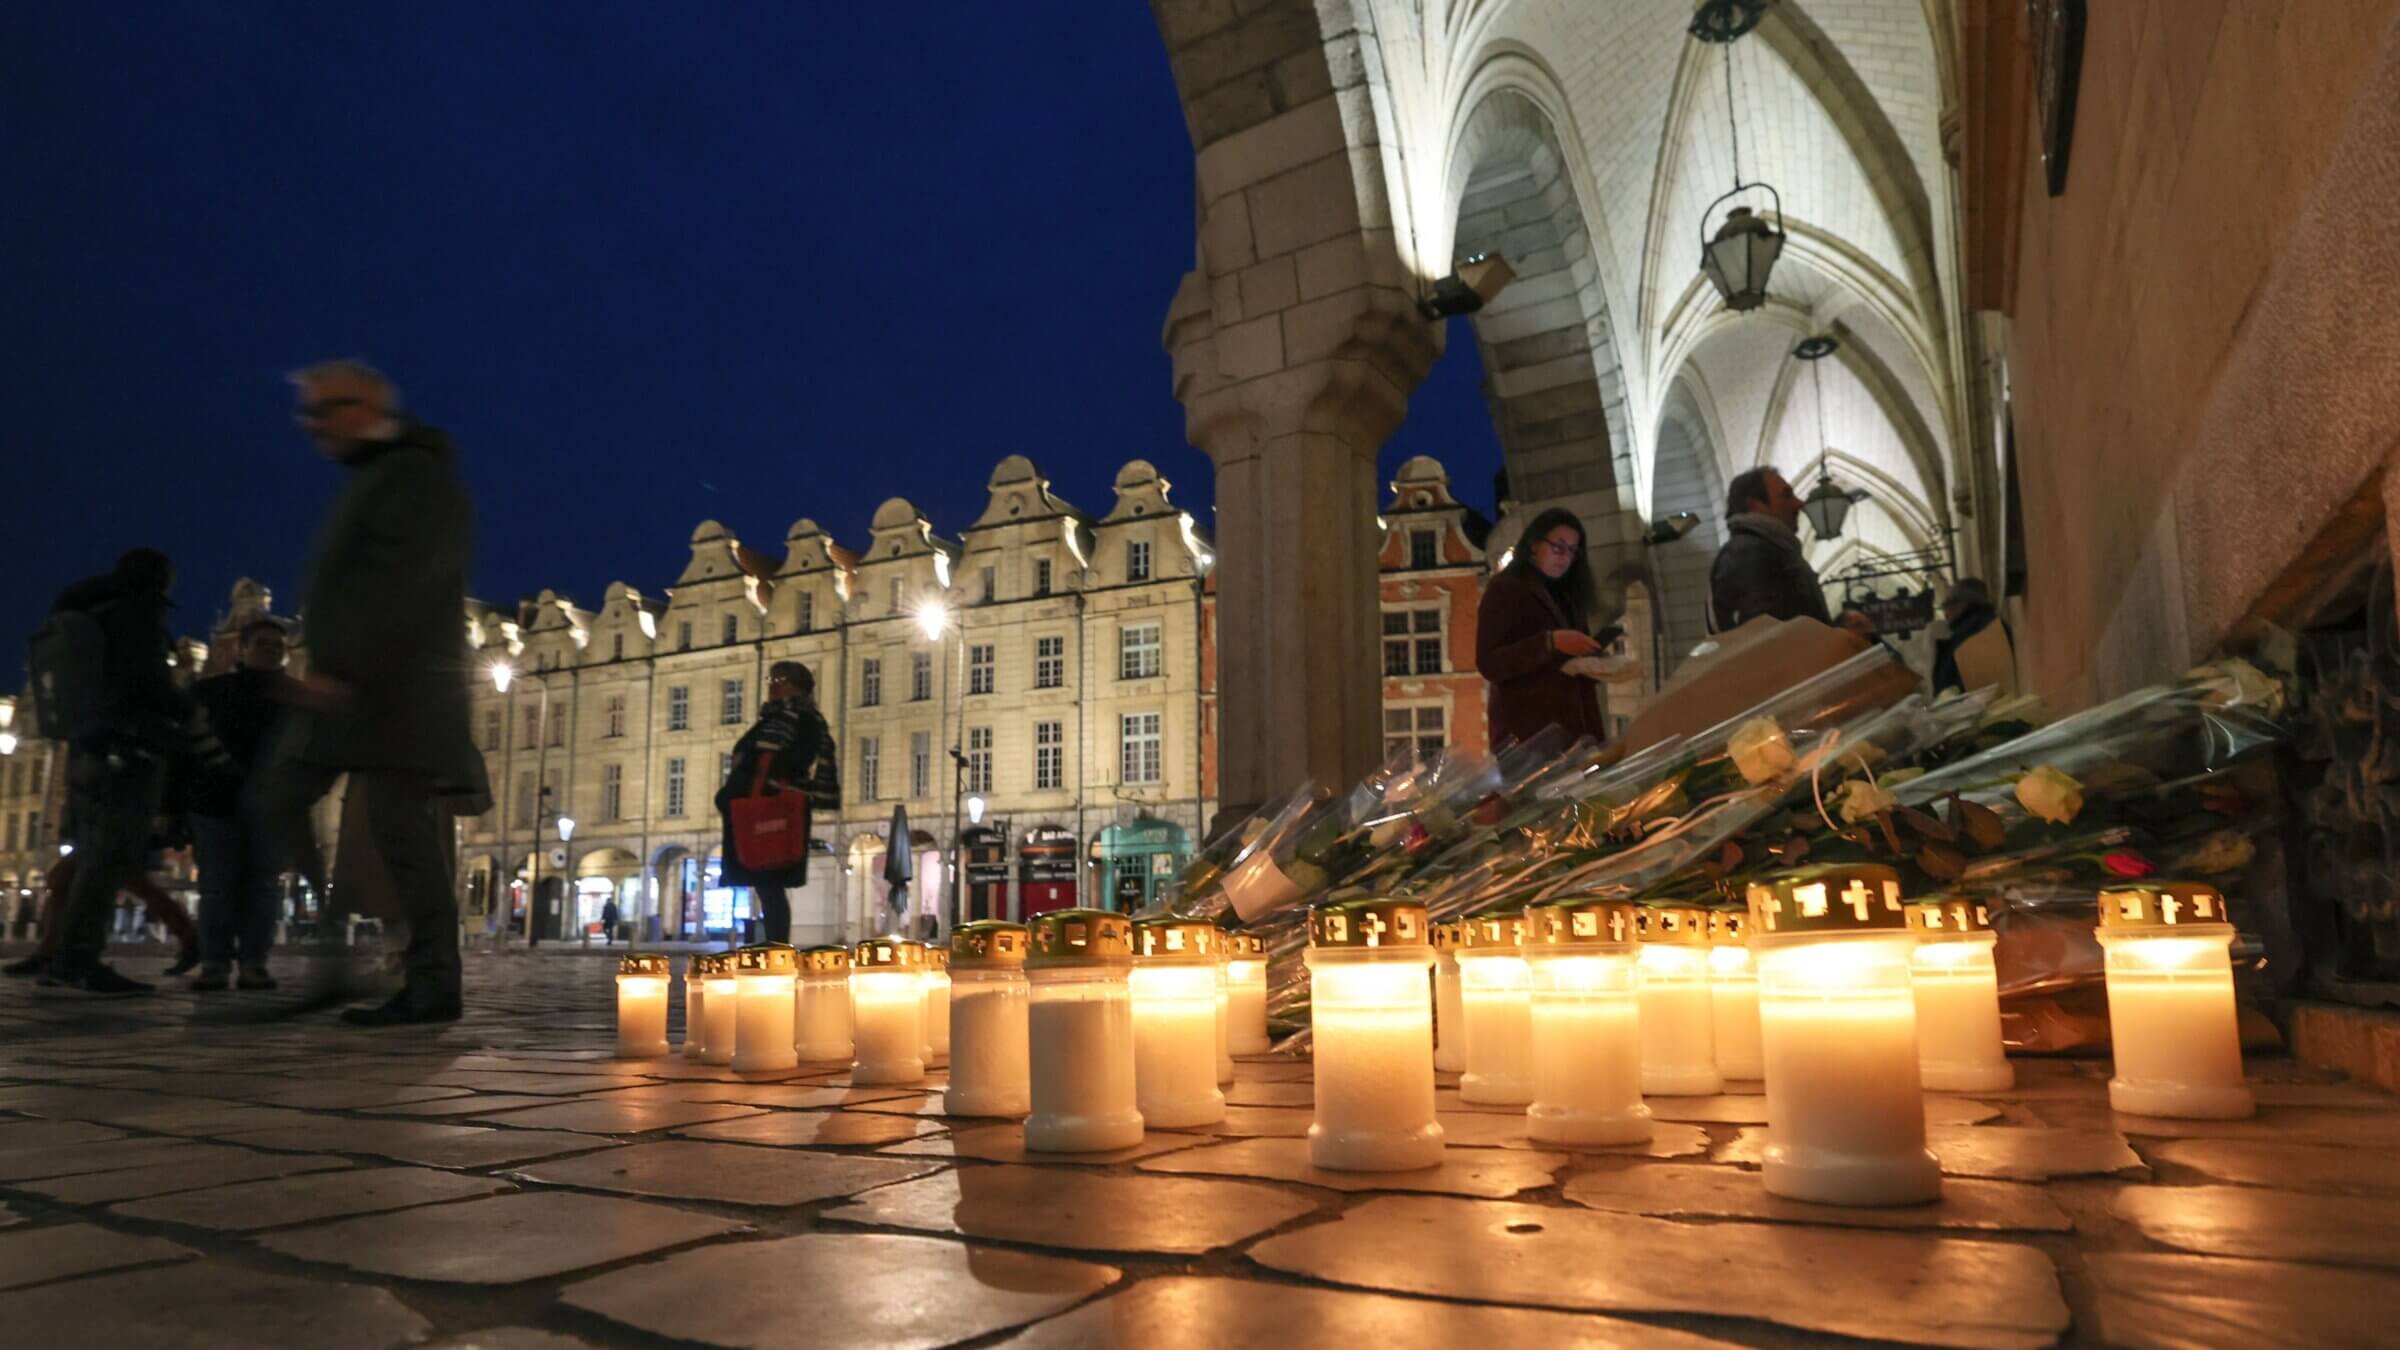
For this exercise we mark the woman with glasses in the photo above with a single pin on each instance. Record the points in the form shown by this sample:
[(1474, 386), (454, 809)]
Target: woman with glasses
[(1536, 617)]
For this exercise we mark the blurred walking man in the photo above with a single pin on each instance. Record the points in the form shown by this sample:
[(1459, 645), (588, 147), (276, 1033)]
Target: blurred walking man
[(385, 696)]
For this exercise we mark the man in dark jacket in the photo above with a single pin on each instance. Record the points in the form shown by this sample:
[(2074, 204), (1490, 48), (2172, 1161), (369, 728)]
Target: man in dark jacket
[(385, 695), (237, 878), (115, 773), (1761, 569), (1968, 610)]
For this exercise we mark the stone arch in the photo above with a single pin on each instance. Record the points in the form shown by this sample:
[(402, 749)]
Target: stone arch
[(1686, 476)]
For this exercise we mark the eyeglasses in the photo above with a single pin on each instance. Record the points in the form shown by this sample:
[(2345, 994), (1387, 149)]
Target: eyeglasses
[(1558, 550), (316, 412)]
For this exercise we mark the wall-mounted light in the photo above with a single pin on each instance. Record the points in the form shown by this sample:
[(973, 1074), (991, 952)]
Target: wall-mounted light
[(1468, 289)]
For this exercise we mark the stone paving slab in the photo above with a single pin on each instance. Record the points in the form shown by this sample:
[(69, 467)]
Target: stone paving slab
[(2298, 1167), (859, 1289), (423, 1143), (1667, 1140), (788, 1095), (2164, 1302), (1480, 1172), (136, 1183), (1080, 1210), (282, 1201), (855, 1129), (207, 1305), (616, 1117), (733, 1174), (1999, 1152), (24, 1134), (471, 1104), (61, 1160), (1936, 1291), (507, 1239), (338, 1096), (1005, 1143), (2267, 1225), (1691, 1191), (510, 1338), (39, 1255), (1271, 1094)]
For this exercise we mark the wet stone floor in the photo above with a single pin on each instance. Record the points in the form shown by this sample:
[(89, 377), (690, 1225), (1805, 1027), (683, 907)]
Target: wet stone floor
[(190, 1170)]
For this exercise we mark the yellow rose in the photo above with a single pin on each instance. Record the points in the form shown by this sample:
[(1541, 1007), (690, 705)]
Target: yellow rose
[(1859, 799), (1761, 751), (2050, 794)]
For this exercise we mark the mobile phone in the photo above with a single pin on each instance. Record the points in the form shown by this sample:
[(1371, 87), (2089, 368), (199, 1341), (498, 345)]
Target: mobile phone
[(1609, 634)]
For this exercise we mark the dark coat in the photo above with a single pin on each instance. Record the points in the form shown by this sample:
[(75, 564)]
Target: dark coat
[(142, 704), (792, 743), (1945, 652), (385, 614), (1528, 690), (242, 708), (1761, 571)]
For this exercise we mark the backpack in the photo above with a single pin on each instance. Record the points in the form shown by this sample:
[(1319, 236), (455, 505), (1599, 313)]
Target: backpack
[(67, 670)]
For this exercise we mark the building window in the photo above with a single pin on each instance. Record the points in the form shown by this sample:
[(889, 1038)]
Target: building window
[(557, 718), (991, 584), (616, 647), (870, 765), (979, 759), (808, 611), (1041, 576), (683, 637), (12, 832), (1139, 760), (679, 707), (1049, 662), (616, 715), (729, 711), (979, 668), (491, 728), (1412, 641), (1049, 756), (870, 683), (33, 829), (525, 799), (1417, 729), (920, 676), (532, 722), (1137, 560), (1424, 548), (675, 785), (920, 764), (733, 629), (612, 792), (1138, 651)]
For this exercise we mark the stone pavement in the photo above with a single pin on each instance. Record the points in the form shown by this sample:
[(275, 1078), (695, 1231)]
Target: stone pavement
[(166, 1181)]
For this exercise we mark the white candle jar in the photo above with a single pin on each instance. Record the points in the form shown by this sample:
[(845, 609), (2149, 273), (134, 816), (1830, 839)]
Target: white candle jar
[(1587, 1040), (937, 1005), (642, 981), (1733, 995), (1372, 1020), (1081, 1033), (1838, 1017), (720, 1001), (765, 977), (1496, 1011), (887, 1011), (1679, 1018), (1958, 998), (1246, 995), (1174, 985), (821, 1006), (1224, 982), (695, 1013), (990, 1065), (2171, 1018), (1449, 1016)]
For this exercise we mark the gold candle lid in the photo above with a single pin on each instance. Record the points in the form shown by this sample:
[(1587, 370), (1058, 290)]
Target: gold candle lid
[(1068, 937), (1836, 898), (988, 943), (823, 959), (767, 958), (1673, 925), (937, 957), (1949, 916), (1251, 945), (1581, 921), (1446, 935), (1175, 941), (714, 964), (645, 963), (1489, 932), (2162, 906), (1370, 923), (888, 953), (1729, 927)]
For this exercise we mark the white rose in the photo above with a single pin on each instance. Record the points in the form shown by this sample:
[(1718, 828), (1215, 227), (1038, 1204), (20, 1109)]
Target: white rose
[(1761, 751), (2051, 795), (1859, 799)]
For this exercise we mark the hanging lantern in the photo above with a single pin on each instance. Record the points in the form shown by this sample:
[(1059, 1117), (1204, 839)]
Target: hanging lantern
[(887, 1010), (990, 1073), (1741, 256), (1175, 1023), (1679, 1021), (2171, 1019), (821, 1006), (642, 1006), (1587, 1040), (1958, 998), (1373, 1021), (1081, 1033), (1733, 995), (764, 977), (1827, 505)]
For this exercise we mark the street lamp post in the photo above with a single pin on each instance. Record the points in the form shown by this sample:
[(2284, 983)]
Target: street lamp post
[(504, 675)]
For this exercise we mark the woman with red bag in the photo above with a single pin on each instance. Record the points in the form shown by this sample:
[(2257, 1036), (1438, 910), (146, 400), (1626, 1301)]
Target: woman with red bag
[(789, 749)]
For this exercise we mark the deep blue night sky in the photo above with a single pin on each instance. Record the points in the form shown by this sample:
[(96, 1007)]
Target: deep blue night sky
[(650, 264)]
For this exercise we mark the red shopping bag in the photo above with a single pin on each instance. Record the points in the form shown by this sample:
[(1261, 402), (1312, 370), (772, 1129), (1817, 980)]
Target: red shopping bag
[(770, 829)]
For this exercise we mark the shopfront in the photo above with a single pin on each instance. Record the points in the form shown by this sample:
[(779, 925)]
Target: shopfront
[(1046, 869), (1135, 861)]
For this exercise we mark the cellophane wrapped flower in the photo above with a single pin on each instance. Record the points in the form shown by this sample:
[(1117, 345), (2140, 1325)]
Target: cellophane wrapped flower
[(1761, 751), (2051, 795)]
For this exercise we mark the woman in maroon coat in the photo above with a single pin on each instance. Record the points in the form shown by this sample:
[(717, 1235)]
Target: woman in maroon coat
[(1535, 618)]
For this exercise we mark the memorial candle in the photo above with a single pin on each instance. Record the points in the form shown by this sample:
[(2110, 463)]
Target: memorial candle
[(1496, 1005), (1246, 995), (764, 976), (1373, 1021), (720, 1000), (1587, 1043), (887, 1011), (990, 1066), (1224, 983), (2171, 1017), (1081, 1033), (937, 1005), (1958, 997), (1449, 1017), (1733, 995), (695, 1016), (821, 1006), (1845, 1118), (1679, 1020), (1174, 987), (642, 1006)]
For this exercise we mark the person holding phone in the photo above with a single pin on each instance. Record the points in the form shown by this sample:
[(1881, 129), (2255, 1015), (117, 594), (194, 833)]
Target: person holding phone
[(1536, 617)]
